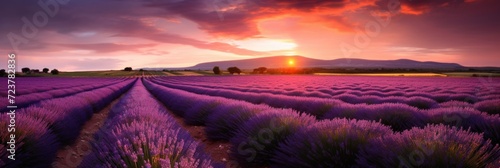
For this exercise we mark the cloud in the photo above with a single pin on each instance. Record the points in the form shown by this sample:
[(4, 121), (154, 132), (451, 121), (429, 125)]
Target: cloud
[(238, 19), (468, 25), (418, 7), (107, 47), (118, 18), (177, 39), (94, 64)]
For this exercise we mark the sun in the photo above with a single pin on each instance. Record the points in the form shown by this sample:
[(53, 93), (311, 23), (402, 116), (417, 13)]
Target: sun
[(291, 62)]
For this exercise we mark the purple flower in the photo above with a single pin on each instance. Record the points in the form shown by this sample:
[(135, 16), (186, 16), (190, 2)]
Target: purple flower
[(198, 113), (223, 123), (432, 146), (326, 143), (489, 106), (35, 145), (256, 141), (421, 102)]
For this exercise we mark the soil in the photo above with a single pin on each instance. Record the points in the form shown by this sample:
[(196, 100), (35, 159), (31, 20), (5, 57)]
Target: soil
[(72, 155), (218, 150)]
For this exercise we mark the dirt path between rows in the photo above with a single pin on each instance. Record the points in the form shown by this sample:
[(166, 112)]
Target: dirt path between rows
[(218, 150), (72, 155)]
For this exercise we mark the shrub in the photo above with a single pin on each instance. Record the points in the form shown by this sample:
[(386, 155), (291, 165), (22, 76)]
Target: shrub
[(491, 128), (432, 146), (454, 103), (468, 118), (464, 98), (223, 123), (441, 97), (54, 72), (198, 113), (36, 146), (256, 141), (140, 144), (140, 134), (398, 116), (344, 110), (147, 114), (178, 104), (326, 143), (371, 99), (419, 94), (26, 70), (216, 70), (349, 98), (375, 93), (393, 99), (395, 93), (78, 107), (315, 106), (489, 106), (233, 70), (421, 102), (62, 123)]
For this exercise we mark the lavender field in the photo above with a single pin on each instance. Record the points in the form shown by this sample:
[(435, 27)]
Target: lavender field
[(254, 121)]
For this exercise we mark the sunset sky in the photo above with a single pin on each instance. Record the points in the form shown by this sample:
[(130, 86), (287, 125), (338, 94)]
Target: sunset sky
[(111, 34)]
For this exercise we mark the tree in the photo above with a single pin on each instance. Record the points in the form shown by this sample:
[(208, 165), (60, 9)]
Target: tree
[(35, 70), (54, 72), (2, 72), (128, 69), (26, 70), (233, 70), (216, 70), (45, 70), (260, 70)]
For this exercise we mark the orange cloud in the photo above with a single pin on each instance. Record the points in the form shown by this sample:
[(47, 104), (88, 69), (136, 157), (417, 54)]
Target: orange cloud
[(239, 19), (405, 9), (419, 7)]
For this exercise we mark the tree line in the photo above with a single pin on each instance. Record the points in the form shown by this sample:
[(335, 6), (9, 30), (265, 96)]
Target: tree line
[(233, 70), (27, 70)]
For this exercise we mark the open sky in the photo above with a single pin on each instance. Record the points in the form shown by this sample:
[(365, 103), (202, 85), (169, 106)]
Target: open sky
[(111, 34)]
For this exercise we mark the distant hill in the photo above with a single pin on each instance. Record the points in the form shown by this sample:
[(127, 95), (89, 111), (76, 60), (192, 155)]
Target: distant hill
[(304, 62)]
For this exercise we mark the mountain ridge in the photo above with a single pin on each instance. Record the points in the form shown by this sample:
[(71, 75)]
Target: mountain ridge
[(305, 62)]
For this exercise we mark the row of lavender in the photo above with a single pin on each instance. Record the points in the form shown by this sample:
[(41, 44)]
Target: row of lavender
[(416, 101), (59, 90), (433, 90), (264, 136), (399, 116), (140, 133), (481, 86), (43, 128), (30, 85)]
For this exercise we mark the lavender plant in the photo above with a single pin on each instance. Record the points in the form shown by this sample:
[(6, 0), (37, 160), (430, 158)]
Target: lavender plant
[(327, 143), (256, 141), (432, 146)]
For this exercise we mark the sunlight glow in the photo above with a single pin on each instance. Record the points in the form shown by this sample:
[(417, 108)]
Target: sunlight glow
[(291, 62)]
